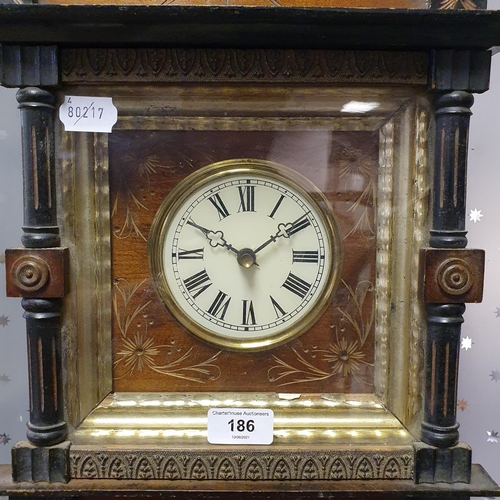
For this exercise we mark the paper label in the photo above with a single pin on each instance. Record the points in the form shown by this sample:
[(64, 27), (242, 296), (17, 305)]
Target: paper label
[(240, 426), (88, 114)]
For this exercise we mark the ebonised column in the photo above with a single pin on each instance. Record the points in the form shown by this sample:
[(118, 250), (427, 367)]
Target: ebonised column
[(448, 231), (46, 426)]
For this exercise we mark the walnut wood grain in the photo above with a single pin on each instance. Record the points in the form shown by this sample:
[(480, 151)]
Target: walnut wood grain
[(144, 167)]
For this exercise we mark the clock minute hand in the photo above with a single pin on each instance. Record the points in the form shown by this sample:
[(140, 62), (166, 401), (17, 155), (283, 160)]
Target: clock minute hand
[(285, 230), (215, 238)]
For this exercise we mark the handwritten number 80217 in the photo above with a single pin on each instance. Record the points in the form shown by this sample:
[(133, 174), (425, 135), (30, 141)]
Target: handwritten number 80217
[(80, 112)]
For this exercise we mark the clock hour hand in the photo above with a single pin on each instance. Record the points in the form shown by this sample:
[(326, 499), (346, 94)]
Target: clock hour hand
[(215, 238), (285, 230)]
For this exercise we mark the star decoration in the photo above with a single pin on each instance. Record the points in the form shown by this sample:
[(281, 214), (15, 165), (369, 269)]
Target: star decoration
[(4, 320), (4, 439), (4, 378), (495, 376), (466, 343), (475, 215), (492, 436), (462, 404), (497, 312)]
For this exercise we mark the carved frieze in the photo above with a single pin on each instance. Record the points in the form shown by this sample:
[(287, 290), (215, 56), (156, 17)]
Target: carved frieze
[(242, 65), (185, 464)]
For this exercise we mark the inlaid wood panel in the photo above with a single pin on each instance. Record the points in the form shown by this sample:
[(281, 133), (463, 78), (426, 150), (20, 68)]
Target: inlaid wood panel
[(153, 352)]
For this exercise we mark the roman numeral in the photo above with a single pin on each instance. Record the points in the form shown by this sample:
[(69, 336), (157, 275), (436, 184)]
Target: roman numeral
[(279, 311), (276, 206), (248, 313), (197, 283), (217, 202), (219, 306), (197, 253), (247, 198), (296, 285), (298, 225), (305, 256)]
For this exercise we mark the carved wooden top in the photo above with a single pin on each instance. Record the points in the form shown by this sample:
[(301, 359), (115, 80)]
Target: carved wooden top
[(373, 4), (255, 27), (352, 4)]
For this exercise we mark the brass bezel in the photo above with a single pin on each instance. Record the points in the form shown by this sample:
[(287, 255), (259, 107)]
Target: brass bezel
[(244, 167)]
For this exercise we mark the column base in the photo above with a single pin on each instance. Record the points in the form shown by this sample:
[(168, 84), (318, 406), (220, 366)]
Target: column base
[(36, 464), (446, 465)]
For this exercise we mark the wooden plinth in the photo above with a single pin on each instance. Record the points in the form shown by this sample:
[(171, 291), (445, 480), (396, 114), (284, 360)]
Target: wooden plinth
[(481, 486)]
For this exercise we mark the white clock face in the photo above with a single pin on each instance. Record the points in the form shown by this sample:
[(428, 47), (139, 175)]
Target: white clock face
[(247, 256)]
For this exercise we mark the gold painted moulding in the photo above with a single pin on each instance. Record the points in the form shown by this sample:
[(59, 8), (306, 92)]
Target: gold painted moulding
[(151, 437)]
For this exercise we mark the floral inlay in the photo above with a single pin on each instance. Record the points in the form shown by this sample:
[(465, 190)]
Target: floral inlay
[(138, 350)]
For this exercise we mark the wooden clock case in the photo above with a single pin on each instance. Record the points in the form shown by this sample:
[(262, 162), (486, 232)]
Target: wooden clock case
[(198, 85)]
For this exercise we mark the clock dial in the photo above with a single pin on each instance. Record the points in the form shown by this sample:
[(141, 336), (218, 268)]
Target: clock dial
[(245, 253)]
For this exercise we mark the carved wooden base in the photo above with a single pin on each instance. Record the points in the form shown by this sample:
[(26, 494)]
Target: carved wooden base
[(422, 463), (383, 489)]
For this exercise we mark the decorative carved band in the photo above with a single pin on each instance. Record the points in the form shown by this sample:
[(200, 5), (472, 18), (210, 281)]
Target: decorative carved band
[(242, 65), (241, 465)]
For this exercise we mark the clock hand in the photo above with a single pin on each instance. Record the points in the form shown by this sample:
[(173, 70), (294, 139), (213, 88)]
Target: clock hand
[(215, 238), (285, 230), (245, 257)]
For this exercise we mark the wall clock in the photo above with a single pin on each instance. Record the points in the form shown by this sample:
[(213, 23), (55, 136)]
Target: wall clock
[(263, 228)]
